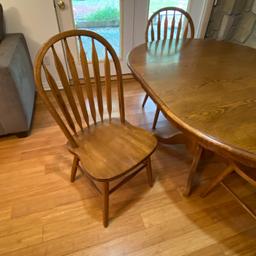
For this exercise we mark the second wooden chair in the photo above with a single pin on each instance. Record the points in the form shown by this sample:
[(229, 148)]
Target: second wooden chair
[(168, 23)]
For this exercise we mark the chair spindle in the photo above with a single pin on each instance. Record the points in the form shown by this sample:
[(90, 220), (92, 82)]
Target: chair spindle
[(59, 99), (88, 84), (152, 32), (76, 82), (108, 84), (95, 63), (185, 35), (65, 83), (179, 29), (173, 26), (159, 27), (165, 25)]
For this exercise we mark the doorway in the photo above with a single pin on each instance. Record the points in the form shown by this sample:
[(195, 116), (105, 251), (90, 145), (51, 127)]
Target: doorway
[(122, 22)]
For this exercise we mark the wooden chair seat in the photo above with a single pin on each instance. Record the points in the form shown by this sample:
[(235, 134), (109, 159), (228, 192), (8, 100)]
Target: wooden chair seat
[(116, 148)]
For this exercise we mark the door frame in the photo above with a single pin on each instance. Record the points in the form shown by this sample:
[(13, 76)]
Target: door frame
[(201, 23)]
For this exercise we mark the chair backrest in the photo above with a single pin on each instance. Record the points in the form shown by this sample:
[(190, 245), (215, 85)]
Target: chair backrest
[(69, 106), (169, 23)]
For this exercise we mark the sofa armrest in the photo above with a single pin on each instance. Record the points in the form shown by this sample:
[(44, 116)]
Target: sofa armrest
[(16, 66)]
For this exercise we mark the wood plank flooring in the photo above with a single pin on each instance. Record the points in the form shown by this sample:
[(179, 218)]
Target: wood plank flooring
[(42, 213)]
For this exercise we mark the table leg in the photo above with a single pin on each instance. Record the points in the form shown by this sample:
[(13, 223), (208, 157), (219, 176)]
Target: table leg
[(194, 148), (190, 181)]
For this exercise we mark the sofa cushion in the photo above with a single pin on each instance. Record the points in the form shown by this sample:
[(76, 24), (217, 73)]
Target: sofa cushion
[(1, 23)]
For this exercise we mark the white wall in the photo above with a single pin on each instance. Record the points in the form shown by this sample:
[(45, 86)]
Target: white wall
[(34, 18), (200, 11)]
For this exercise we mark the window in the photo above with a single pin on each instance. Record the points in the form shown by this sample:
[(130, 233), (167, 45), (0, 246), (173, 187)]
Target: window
[(155, 5), (100, 16)]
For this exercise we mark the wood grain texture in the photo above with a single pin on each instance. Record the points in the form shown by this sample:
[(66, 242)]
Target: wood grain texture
[(42, 213), (193, 169), (218, 108), (109, 150), (249, 174), (76, 82)]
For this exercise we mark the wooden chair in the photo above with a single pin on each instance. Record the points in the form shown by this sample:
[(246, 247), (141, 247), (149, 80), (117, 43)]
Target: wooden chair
[(164, 21), (247, 173), (108, 148)]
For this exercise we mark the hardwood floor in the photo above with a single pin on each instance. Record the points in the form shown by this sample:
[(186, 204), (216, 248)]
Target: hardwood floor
[(42, 213)]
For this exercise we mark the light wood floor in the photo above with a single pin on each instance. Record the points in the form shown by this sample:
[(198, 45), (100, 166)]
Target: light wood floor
[(42, 213)]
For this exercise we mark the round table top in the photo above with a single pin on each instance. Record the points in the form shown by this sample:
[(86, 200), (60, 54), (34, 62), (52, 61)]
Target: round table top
[(207, 88)]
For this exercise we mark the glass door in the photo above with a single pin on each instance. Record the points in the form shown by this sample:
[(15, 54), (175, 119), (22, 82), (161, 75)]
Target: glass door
[(112, 19), (122, 22), (199, 11), (102, 17)]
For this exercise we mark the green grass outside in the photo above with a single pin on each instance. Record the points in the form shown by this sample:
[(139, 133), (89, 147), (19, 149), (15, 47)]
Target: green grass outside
[(156, 4), (107, 13), (108, 10), (100, 3)]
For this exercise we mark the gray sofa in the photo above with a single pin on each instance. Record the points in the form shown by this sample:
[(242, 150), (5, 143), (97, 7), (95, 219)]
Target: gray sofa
[(17, 89)]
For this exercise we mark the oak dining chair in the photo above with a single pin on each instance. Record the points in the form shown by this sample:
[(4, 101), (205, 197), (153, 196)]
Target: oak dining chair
[(168, 23), (245, 172), (91, 114)]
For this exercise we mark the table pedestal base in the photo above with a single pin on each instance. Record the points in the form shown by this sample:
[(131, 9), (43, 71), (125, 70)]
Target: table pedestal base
[(195, 149), (176, 138), (190, 181)]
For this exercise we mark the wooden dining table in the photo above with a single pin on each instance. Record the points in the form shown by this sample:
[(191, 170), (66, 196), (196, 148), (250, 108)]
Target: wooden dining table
[(207, 89)]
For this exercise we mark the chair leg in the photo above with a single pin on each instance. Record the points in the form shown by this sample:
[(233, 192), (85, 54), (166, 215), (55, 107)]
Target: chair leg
[(218, 180), (74, 168), (105, 203), (149, 173), (145, 100), (155, 118)]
